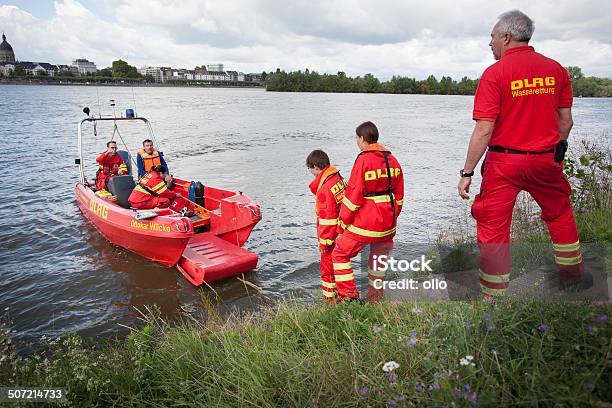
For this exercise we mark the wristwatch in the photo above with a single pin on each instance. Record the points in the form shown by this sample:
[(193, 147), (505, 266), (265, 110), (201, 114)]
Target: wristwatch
[(465, 174)]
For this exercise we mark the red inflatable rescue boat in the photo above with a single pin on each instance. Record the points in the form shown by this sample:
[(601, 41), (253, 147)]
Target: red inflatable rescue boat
[(204, 247)]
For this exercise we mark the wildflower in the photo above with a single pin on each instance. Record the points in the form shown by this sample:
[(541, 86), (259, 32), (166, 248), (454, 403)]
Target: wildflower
[(591, 387), (491, 328), (413, 334), (363, 390), (473, 398), (390, 366), (416, 311), (542, 328), (602, 319), (376, 328), (467, 360), (392, 377), (467, 387), (420, 388), (411, 342), (592, 330), (401, 398), (434, 386), (486, 317), (392, 403)]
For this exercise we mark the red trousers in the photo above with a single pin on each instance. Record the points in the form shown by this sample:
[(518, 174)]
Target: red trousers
[(328, 283), (102, 181), (504, 176), (347, 248), (160, 202)]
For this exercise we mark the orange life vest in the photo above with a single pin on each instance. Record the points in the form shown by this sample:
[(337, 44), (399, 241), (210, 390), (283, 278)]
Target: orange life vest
[(149, 160)]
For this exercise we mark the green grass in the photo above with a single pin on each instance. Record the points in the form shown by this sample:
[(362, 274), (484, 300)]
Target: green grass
[(323, 355)]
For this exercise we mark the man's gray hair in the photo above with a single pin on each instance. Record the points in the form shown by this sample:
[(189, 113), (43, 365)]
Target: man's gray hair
[(515, 23)]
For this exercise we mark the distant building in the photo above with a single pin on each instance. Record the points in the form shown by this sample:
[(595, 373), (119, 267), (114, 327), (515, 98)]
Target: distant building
[(184, 74), (155, 72), (214, 67), (68, 68), (38, 68), (84, 67), (6, 51), (201, 75), (253, 77), (235, 76), (6, 68)]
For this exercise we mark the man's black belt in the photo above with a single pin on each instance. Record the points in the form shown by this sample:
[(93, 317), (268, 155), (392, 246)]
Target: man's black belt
[(500, 149)]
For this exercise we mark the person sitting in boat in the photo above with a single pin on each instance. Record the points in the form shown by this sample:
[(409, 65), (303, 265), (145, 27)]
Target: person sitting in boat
[(148, 157), (152, 191), (110, 164)]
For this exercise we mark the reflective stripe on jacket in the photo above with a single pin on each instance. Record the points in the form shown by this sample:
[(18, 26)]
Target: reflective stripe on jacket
[(366, 212), (151, 184), (328, 188)]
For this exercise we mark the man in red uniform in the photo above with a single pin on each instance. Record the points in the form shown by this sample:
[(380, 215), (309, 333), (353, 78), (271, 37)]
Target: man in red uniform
[(368, 215), (110, 164), (523, 114), (152, 191), (328, 188)]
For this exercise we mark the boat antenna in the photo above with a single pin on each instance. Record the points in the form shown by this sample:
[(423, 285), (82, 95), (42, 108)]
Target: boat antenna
[(134, 100), (99, 106), (116, 130)]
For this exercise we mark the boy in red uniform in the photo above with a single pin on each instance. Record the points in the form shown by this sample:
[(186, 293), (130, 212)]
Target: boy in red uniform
[(111, 164), (328, 188), (368, 214), (152, 191)]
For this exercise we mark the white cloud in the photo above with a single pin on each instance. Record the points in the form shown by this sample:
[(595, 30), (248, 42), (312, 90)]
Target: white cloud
[(385, 37)]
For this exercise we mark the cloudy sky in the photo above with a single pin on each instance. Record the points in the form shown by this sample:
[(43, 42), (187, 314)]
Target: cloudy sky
[(383, 37)]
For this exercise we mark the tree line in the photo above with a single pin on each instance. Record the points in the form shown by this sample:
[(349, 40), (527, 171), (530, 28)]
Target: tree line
[(312, 81)]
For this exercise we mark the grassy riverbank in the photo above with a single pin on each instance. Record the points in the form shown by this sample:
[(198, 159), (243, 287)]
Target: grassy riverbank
[(522, 353)]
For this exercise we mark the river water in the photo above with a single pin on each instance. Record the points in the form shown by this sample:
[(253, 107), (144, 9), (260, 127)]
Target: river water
[(59, 275)]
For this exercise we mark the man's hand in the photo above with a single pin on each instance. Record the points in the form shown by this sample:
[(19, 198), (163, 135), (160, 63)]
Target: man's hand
[(464, 187)]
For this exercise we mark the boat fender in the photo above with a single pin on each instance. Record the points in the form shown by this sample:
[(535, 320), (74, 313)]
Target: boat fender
[(192, 187), (199, 194)]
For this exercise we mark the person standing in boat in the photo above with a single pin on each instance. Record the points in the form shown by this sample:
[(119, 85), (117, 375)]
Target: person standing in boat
[(368, 215), (110, 164), (148, 157), (152, 191), (328, 188)]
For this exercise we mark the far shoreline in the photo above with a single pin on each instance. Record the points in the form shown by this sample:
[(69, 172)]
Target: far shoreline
[(129, 84)]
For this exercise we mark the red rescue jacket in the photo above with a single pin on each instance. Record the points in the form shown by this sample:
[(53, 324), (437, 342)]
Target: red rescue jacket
[(111, 165), (367, 213), (328, 188), (150, 185)]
